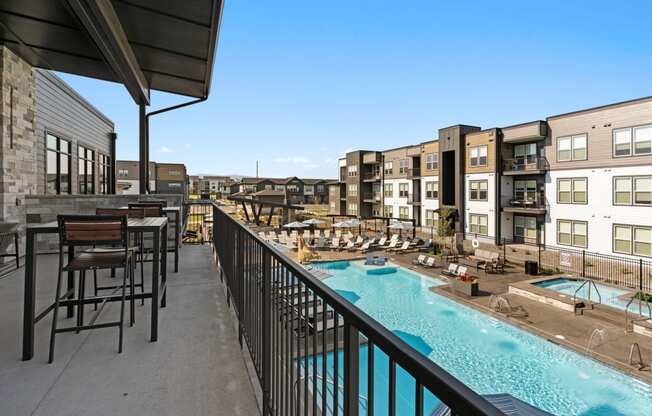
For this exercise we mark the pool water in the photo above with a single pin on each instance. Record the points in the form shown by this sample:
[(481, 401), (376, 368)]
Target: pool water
[(486, 354), (609, 295)]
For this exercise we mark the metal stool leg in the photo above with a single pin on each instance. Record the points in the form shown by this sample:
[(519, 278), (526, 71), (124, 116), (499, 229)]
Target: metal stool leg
[(80, 300), (132, 301), (95, 287), (55, 313), (122, 306)]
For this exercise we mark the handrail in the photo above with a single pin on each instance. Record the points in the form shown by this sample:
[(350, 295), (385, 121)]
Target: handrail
[(427, 373), (589, 282)]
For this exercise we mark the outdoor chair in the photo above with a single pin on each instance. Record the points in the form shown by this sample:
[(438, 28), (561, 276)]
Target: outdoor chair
[(421, 259), (403, 248), (9, 236), (320, 243), (392, 244), (91, 230), (349, 246), (451, 271), (162, 202), (365, 246), (327, 233), (335, 243), (359, 240), (430, 262), (382, 241)]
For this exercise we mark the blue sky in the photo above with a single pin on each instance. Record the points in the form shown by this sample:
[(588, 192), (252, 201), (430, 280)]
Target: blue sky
[(298, 83)]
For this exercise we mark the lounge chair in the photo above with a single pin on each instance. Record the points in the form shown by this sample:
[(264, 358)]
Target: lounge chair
[(430, 262), (320, 243), (451, 271), (392, 245), (335, 243), (420, 260), (425, 246), (284, 234), (327, 233), (404, 247), (349, 246), (365, 246), (272, 236), (382, 241), (262, 235), (359, 240), (306, 235), (338, 233)]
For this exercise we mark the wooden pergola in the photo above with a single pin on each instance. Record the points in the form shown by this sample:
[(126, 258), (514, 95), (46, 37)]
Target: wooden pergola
[(257, 206)]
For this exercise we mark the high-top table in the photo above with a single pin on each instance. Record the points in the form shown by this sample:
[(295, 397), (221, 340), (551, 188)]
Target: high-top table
[(157, 226)]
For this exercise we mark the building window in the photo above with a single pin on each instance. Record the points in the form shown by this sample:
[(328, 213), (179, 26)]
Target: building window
[(478, 224), (353, 209), (525, 190), (402, 190), (57, 165), (402, 166), (478, 156), (389, 168), (123, 173), (388, 210), (572, 233), (320, 189), (308, 189), (571, 148), (478, 190), (633, 140), (353, 190), (388, 190), (431, 218), (432, 160), (633, 190), (86, 168), (432, 190), (632, 239), (525, 152), (293, 188), (525, 229), (572, 191), (105, 173), (404, 213), (352, 170)]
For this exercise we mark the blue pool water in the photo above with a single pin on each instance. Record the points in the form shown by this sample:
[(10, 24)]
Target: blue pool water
[(487, 354), (609, 295)]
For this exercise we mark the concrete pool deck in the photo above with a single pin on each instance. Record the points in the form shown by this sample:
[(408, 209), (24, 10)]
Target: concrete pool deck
[(554, 324)]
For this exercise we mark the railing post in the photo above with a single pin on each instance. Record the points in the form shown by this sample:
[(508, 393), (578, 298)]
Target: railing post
[(267, 322), (640, 274), (583, 263), (351, 370)]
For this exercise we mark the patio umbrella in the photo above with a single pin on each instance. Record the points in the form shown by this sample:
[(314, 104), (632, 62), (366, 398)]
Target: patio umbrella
[(313, 221), (506, 403), (354, 222), (398, 225), (295, 224), (341, 224)]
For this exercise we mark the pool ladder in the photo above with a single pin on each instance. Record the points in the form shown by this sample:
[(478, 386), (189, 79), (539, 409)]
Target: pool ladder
[(640, 312), (635, 357), (590, 283)]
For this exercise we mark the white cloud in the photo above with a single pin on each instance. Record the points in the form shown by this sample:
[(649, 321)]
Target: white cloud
[(165, 149)]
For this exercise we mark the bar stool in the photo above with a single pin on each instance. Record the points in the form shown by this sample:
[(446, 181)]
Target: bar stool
[(135, 248), (87, 230)]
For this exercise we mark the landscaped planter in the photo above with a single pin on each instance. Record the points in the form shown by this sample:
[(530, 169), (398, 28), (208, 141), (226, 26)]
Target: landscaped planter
[(467, 288)]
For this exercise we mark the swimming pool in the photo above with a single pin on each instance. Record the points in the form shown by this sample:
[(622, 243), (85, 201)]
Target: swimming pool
[(609, 295), (487, 354)]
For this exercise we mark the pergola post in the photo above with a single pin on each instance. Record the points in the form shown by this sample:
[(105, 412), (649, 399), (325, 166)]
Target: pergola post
[(143, 176)]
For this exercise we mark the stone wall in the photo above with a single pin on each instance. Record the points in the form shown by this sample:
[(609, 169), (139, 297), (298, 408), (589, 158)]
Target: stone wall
[(45, 208), (17, 137)]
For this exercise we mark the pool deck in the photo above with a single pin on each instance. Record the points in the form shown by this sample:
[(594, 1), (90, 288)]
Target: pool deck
[(556, 325)]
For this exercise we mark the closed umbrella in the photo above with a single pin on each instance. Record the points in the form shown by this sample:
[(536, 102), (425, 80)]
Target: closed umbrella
[(313, 221), (295, 224)]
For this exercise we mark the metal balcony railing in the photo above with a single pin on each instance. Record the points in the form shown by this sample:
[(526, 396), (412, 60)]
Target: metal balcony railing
[(371, 176), (528, 200), (414, 199), (525, 163), (371, 196), (414, 172), (290, 320)]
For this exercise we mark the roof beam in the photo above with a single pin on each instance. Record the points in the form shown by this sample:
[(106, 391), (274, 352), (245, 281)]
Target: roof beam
[(103, 25)]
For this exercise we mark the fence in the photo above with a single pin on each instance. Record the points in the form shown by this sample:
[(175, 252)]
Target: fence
[(198, 221), (306, 341)]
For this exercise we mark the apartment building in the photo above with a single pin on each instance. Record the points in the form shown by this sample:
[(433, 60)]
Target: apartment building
[(128, 176), (296, 190), (171, 178), (581, 180), (211, 184)]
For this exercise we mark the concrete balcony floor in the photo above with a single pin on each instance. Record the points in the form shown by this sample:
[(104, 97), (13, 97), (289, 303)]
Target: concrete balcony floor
[(195, 368)]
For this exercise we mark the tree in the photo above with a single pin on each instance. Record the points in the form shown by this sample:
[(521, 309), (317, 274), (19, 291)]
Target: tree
[(445, 224)]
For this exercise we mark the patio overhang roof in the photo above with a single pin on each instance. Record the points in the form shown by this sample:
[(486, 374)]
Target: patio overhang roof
[(163, 45)]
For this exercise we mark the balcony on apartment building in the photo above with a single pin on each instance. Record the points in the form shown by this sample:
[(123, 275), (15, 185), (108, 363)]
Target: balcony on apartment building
[(373, 176), (371, 197), (526, 203), (414, 199), (525, 165), (414, 173)]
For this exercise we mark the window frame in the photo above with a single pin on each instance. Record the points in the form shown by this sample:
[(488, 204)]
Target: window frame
[(402, 210), (478, 157), (58, 152), (632, 242), (632, 140), (572, 233), (479, 225), (403, 166), (435, 218), (572, 191), (390, 187), (434, 193), (403, 193), (572, 138), (388, 168), (82, 160), (104, 165), (478, 196), (632, 190), (434, 163)]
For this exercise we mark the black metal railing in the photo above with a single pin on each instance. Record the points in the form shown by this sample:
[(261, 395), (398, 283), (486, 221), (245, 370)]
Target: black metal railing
[(414, 172), (414, 198), (197, 221), (525, 163), (371, 176), (306, 341), (371, 196), (529, 200)]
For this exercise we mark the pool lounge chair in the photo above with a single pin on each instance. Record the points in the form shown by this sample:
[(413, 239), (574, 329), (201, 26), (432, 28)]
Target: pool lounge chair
[(359, 241), (262, 235), (404, 247), (320, 243), (327, 233), (451, 271), (365, 246), (271, 236), (430, 262), (381, 242), (350, 245), (335, 243), (392, 245), (420, 260)]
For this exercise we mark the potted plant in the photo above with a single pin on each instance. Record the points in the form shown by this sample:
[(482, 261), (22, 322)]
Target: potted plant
[(466, 284)]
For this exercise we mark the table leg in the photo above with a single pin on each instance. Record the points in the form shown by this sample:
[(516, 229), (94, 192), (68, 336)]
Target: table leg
[(29, 304), (155, 285), (71, 282), (177, 230), (164, 264)]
